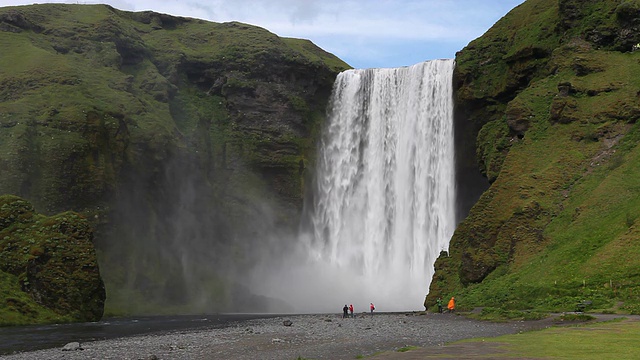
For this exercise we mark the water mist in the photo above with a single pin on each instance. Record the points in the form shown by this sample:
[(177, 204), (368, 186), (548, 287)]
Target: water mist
[(384, 201)]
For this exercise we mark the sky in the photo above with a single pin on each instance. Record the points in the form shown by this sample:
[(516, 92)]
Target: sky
[(363, 33)]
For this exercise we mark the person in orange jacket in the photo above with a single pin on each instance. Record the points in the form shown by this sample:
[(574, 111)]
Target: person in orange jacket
[(452, 304)]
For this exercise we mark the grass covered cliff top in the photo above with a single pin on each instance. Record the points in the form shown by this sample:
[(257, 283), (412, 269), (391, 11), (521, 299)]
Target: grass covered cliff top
[(148, 31)]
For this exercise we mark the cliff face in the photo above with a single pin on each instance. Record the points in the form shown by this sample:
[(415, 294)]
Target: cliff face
[(183, 141), (549, 97)]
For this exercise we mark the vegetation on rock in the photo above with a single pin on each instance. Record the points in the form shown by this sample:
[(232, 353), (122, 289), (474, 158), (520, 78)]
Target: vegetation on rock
[(552, 93), (48, 266), (182, 140)]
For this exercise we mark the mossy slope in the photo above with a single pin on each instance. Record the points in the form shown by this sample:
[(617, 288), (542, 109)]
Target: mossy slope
[(552, 91), (89, 90), (48, 266), (183, 140)]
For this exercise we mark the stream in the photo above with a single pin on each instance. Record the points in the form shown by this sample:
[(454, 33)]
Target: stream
[(36, 337)]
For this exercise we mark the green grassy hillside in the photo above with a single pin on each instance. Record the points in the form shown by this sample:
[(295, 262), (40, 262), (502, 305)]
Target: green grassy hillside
[(553, 88), (106, 86), (181, 140)]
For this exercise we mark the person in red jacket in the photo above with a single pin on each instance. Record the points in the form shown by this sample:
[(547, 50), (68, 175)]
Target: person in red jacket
[(371, 307), (351, 309)]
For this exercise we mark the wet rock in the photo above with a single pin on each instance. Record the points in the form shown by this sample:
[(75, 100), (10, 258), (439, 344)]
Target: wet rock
[(72, 346), (287, 323)]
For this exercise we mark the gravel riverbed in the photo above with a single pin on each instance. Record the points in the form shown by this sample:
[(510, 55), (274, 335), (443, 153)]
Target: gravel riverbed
[(308, 336)]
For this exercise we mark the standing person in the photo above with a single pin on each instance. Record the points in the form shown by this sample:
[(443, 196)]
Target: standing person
[(439, 303), (345, 310), (452, 304), (351, 309), (371, 307)]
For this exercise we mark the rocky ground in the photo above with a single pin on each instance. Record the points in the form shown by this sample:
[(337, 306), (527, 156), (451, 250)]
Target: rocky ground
[(308, 337)]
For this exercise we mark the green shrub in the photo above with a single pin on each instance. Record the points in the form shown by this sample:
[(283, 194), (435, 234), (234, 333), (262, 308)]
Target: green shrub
[(576, 317)]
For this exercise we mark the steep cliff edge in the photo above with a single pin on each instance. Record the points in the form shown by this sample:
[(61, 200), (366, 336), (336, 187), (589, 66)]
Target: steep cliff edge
[(550, 94), (183, 141)]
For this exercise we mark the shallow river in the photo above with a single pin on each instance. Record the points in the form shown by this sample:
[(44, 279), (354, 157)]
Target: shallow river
[(35, 337)]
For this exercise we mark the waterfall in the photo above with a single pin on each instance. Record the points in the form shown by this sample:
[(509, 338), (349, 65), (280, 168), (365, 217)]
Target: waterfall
[(385, 204)]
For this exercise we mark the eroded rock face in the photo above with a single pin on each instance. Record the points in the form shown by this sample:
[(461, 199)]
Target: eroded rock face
[(518, 117), (53, 259)]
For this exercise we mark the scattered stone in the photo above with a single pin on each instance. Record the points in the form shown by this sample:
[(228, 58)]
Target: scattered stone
[(314, 339), (72, 346), (287, 323)]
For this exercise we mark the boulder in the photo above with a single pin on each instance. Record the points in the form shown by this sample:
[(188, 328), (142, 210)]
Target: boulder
[(72, 346)]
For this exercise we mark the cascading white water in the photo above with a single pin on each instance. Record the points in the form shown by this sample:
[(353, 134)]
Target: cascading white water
[(386, 190), (384, 203)]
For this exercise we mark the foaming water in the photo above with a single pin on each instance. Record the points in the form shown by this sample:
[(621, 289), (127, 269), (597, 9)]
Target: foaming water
[(384, 204)]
